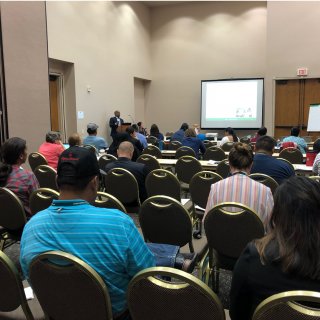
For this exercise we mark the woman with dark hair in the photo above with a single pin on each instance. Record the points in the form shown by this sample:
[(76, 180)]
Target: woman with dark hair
[(260, 133), (154, 131), (240, 188), (229, 136), (288, 257), (316, 163), (12, 175), (190, 140)]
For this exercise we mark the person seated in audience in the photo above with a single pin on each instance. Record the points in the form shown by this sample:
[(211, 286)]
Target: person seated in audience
[(92, 138), (288, 257), (265, 163), (52, 148), (190, 140), (200, 135), (74, 140), (133, 138), (142, 130), (142, 138), (229, 136), (261, 132), (12, 175), (316, 163), (294, 137), (139, 170), (112, 245), (154, 131), (179, 135), (240, 188)]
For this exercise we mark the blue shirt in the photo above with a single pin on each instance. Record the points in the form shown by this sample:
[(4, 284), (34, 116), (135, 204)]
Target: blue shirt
[(142, 139), (98, 142), (106, 239), (299, 141), (194, 143), (178, 136)]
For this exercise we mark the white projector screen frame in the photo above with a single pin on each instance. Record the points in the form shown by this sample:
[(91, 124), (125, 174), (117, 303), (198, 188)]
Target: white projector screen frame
[(236, 103)]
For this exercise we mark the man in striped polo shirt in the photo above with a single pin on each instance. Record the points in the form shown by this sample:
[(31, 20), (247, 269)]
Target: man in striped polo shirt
[(106, 239)]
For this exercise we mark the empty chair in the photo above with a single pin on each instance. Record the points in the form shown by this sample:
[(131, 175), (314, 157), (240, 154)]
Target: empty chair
[(151, 295), (153, 150), (227, 146), (297, 305), (163, 182), (307, 139), (245, 139), (12, 218), (266, 180), (36, 159), (41, 199), (214, 153), (46, 177), (150, 161), (185, 151), (105, 200), (13, 294), (223, 168), (174, 145), (69, 288), (292, 154), (105, 159)]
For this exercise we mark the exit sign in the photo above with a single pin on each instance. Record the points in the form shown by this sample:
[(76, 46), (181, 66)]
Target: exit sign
[(302, 72)]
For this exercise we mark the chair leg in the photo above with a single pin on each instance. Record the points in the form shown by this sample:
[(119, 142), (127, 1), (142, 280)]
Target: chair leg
[(27, 311)]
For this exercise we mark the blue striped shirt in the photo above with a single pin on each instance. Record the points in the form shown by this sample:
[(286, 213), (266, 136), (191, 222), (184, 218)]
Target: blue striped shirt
[(106, 239)]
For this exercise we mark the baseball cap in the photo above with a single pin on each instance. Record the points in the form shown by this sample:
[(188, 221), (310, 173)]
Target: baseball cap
[(92, 126), (76, 163)]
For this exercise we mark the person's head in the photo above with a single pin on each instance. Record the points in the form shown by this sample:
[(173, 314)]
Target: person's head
[(139, 124), (117, 114), (240, 157), (316, 146), (125, 149), (92, 129), (262, 131), (184, 126), (294, 238), (74, 140), (135, 127), (14, 151), (265, 144), (77, 173), (230, 132), (154, 129), (295, 131), (53, 137), (190, 133), (130, 130)]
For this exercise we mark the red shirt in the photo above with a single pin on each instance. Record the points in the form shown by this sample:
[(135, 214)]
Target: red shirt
[(51, 151)]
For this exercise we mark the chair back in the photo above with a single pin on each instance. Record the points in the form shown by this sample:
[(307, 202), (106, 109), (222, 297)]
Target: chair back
[(105, 159), (245, 140), (223, 168), (149, 161), (289, 305), (200, 186), (292, 154), (68, 288), (123, 185), (187, 167), (153, 150), (13, 295), (174, 145), (46, 177), (153, 140), (165, 220), (266, 180), (41, 199), (36, 159), (208, 144), (227, 146), (163, 182), (91, 148), (185, 151), (152, 293), (307, 139), (288, 162), (105, 200), (229, 231), (315, 178), (214, 153)]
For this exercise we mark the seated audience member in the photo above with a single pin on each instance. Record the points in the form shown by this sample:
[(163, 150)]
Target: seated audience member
[(294, 137), (52, 148), (74, 140), (240, 188), (190, 140), (265, 163), (139, 170), (12, 175), (287, 258), (133, 138), (200, 135), (154, 131), (229, 136), (261, 132), (112, 244), (142, 130), (93, 139), (142, 138), (316, 163), (179, 135)]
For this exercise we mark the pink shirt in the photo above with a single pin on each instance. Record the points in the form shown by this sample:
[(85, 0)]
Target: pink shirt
[(51, 151)]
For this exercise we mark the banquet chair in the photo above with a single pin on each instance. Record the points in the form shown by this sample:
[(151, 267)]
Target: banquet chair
[(149, 161), (223, 168), (36, 159), (214, 153), (292, 154), (105, 159), (184, 151), (266, 180), (105, 200), (174, 145), (227, 146), (41, 199), (153, 150), (46, 177)]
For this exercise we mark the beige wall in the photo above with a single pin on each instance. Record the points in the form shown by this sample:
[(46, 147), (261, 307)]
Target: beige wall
[(26, 70)]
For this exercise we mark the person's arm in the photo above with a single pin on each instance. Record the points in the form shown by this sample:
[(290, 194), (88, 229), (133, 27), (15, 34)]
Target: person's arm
[(113, 123), (202, 147), (269, 208)]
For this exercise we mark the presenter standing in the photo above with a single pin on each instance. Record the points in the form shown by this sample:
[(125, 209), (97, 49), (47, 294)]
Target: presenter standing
[(114, 123)]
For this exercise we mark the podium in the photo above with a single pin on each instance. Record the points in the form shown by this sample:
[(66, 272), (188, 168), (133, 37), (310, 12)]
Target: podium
[(123, 127)]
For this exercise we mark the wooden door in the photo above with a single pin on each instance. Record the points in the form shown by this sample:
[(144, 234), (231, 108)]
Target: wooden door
[(54, 103)]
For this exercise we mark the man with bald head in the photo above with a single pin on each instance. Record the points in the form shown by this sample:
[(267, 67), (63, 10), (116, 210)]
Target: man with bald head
[(139, 170)]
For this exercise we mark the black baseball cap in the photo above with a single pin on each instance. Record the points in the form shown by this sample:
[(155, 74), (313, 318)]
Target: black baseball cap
[(76, 163)]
